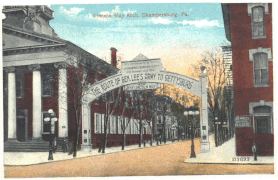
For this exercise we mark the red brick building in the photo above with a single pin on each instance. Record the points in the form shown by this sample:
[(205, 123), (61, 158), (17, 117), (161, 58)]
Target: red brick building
[(248, 27)]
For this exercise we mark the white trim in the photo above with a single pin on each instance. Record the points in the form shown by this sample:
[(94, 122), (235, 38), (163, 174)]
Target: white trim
[(261, 103), (251, 5), (259, 50), (252, 105)]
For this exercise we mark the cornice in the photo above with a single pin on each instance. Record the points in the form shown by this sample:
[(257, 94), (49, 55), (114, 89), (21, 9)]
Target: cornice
[(33, 49), (30, 35)]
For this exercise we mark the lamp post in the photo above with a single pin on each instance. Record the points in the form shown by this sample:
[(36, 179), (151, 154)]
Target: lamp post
[(217, 136), (191, 112), (224, 126), (51, 119)]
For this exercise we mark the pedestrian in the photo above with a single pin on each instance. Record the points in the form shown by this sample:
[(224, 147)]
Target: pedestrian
[(255, 151)]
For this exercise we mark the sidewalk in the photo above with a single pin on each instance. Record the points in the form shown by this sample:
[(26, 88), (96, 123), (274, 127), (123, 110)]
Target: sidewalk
[(226, 154), (31, 158)]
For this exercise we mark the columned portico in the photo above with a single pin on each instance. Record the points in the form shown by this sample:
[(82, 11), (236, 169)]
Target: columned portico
[(63, 99), (37, 101), (11, 103)]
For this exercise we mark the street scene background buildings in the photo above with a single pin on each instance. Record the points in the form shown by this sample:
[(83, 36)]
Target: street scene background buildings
[(46, 65)]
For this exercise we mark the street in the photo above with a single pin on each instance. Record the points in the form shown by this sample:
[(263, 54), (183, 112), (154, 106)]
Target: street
[(154, 161)]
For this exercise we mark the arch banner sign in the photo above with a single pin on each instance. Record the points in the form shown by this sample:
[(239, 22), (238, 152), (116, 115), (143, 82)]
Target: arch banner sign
[(189, 84)]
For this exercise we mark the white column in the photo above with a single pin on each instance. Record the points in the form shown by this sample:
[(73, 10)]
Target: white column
[(11, 103), (63, 100), (86, 128), (205, 145), (37, 101)]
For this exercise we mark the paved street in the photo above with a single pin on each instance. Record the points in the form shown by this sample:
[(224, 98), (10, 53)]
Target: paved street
[(161, 160)]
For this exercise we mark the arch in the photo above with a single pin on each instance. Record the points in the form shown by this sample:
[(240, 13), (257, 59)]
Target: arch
[(194, 86), (189, 84)]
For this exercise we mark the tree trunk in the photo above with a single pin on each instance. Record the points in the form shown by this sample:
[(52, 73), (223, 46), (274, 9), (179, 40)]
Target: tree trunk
[(124, 135), (140, 132), (193, 155), (151, 143), (105, 134)]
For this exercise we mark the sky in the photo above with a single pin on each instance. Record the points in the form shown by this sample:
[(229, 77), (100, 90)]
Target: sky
[(178, 33)]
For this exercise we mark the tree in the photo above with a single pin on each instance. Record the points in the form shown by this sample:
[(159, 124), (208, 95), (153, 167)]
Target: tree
[(78, 80), (110, 106), (130, 111)]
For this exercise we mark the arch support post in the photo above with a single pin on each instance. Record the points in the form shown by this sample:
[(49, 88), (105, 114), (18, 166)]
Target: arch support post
[(205, 144), (86, 145)]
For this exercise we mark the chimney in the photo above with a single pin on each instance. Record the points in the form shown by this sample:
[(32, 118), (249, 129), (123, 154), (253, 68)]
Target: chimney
[(113, 56)]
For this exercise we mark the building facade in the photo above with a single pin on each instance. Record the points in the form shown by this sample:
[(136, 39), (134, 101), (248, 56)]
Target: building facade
[(42, 71), (248, 27)]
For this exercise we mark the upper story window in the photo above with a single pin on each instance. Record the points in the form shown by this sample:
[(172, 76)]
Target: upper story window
[(257, 11), (258, 22), (260, 58), (19, 85), (47, 84), (172, 120), (159, 105), (261, 69), (159, 119)]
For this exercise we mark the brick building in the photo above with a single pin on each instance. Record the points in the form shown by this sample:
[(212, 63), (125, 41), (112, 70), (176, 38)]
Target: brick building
[(248, 27)]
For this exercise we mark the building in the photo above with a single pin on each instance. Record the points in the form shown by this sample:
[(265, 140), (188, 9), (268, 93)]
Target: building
[(40, 72), (248, 27)]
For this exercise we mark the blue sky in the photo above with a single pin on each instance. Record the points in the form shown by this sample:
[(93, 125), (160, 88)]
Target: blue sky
[(171, 38)]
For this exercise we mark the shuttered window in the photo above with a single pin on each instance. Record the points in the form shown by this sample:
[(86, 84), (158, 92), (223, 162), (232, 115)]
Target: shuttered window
[(47, 84)]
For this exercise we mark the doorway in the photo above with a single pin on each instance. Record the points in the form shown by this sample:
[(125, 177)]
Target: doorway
[(22, 125)]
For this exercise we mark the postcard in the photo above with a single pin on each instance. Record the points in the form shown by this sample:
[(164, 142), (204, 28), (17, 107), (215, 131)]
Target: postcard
[(137, 89)]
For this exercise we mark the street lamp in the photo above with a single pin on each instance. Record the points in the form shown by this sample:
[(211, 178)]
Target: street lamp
[(192, 112), (217, 132), (51, 119)]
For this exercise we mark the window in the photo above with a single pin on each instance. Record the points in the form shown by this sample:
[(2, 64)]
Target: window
[(159, 104), (172, 120), (260, 69), (260, 58), (262, 120), (258, 22), (120, 131), (103, 97), (47, 84), (19, 85), (159, 119)]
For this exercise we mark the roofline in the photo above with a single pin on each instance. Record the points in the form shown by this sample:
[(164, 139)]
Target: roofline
[(111, 69), (227, 19)]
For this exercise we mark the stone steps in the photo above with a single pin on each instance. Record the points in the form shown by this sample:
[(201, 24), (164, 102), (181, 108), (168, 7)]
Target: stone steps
[(30, 146)]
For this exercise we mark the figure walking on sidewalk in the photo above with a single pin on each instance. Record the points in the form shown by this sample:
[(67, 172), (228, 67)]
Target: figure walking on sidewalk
[(255, 151)]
